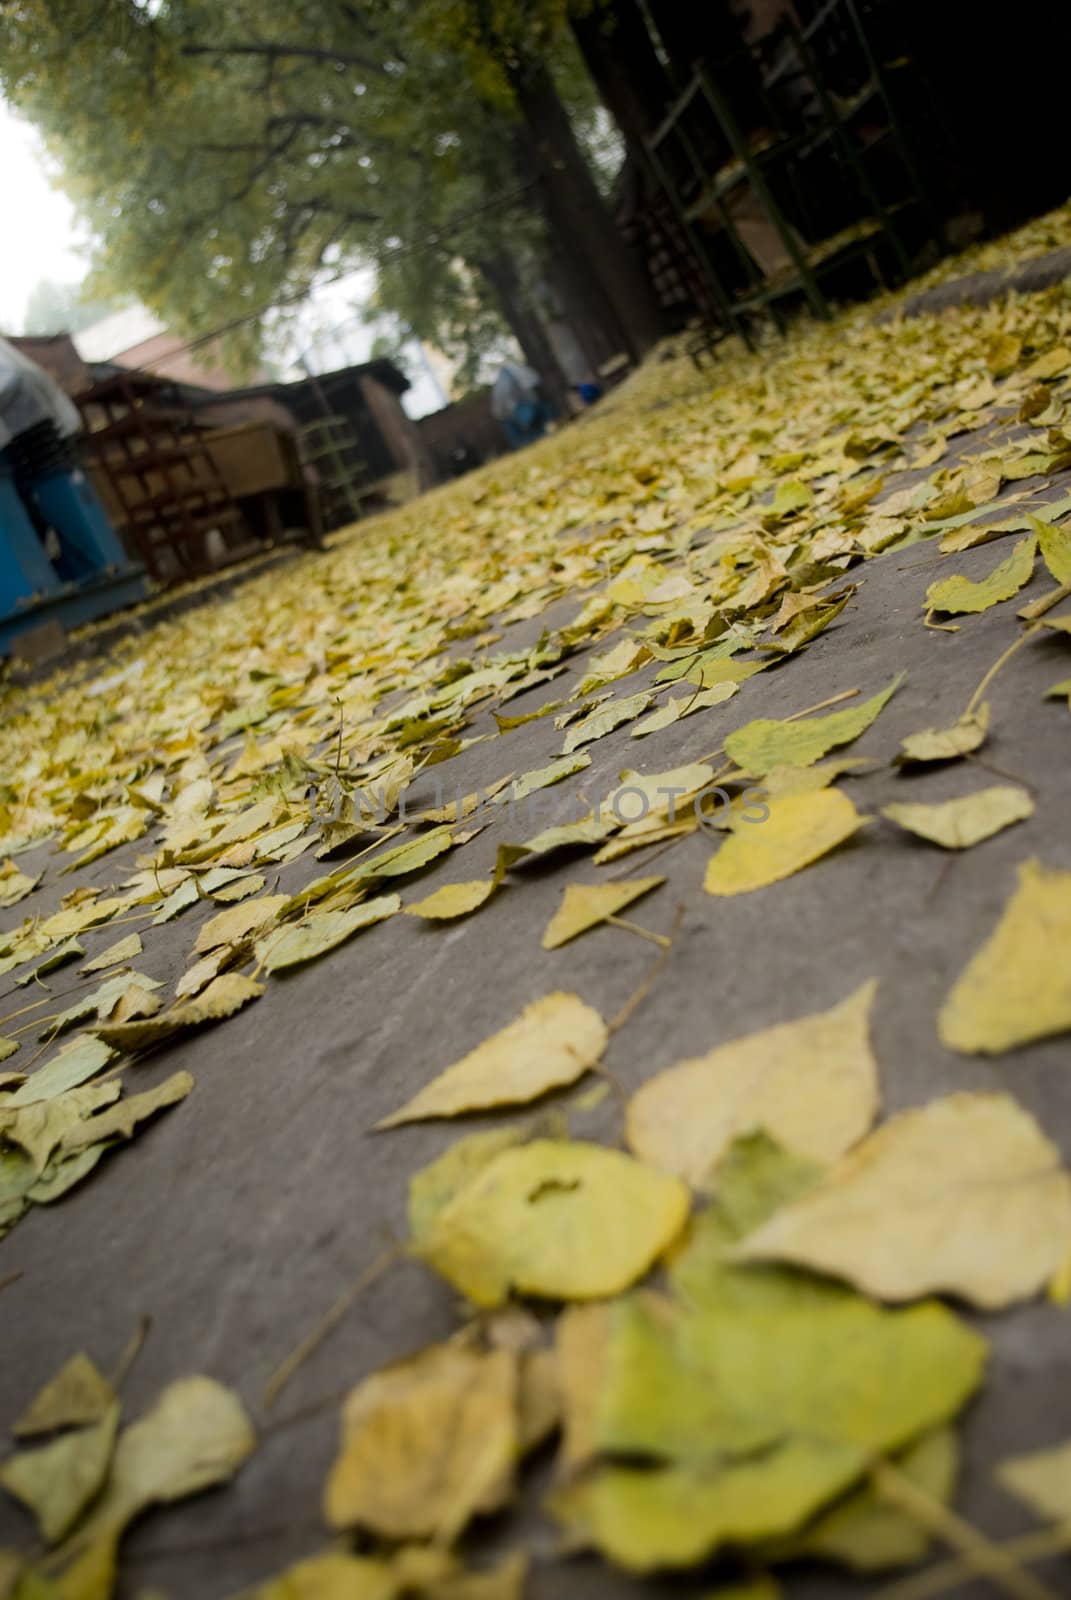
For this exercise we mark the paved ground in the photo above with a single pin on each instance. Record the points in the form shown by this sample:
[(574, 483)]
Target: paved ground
[(236, 1222)]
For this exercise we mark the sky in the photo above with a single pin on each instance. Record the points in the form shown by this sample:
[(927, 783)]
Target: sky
[(39, 222)]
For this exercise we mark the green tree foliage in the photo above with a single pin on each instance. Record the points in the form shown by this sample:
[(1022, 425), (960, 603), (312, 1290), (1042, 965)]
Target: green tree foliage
[(229, 157)]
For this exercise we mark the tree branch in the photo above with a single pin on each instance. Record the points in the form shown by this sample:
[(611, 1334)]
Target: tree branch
[(275, 52)]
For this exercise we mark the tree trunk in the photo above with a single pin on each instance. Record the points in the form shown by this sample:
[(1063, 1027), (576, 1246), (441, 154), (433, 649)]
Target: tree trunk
[(503, 279), (619, 53), (581, 226)]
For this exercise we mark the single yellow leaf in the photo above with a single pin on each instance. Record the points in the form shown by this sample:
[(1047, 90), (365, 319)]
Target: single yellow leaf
[(77, 1395), (644, 1518), (864, 1532), (119, 1121), (195, 1436), (239, 888), (812, 1084), (453, 900), (767, 743), (58, 1480), (553, 1042), (1055, 546), (335, 1575), (1017, 987), (544, 777), (426, 1444), (115, 955), (240, 922), (78, 1061), (585, 905), (685, 705), (1041, 1480), (946, 744), (432, 1186), (968, 819), (321, 931), (558, 1219), (800, 828), (957, 595), (14, 885), (963, 1196), (222, 998), (195, 978), (504, 1582), (604, 719), (641, 797)]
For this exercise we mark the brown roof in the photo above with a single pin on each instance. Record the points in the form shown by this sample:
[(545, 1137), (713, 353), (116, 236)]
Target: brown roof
[(55, 352)]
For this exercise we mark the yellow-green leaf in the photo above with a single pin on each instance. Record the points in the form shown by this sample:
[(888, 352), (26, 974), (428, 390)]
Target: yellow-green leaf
[(800, 829), (544, 777), (119, 1121), (76, 1395), (116, 954), (557, 1219), (335, 1575), (321, 931), (1055, 546), (812, 1084), (453, 900), (604, 719), (78, 1061), (222, 998), (964, 1196), (585, 905), (1041, 1480), (240, 922), (643, 1518), (432, 1186), (947, 744), (58, 1480), (957, 595), (767, 743), (968, 819), (426, 1444), (1017, 987), (553, 1042)]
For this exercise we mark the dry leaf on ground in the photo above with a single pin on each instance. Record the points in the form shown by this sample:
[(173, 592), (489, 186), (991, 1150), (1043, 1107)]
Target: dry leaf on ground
[(554, 1218), (957, 595), (964, 1196), (77, 1395), (812, 1084), (946, 744), (1017, 987), (222, 998), (585, 905), (968, 819), (1041, 1480), (553, 1042), (320, 932), (426, 1444), (58, 1480), (766, 743), (800, 828)]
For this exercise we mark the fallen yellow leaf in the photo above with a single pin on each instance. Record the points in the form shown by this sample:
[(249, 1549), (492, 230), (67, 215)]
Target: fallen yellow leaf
[(964, 1196), (1017, 987), (553, 1042), (801, 828), (563, 1220), (812, 1084)]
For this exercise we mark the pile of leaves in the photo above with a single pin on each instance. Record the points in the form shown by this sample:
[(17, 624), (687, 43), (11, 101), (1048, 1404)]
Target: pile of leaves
[(785, 1386)]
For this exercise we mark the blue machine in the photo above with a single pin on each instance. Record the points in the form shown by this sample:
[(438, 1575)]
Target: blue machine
[(47, 501)]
